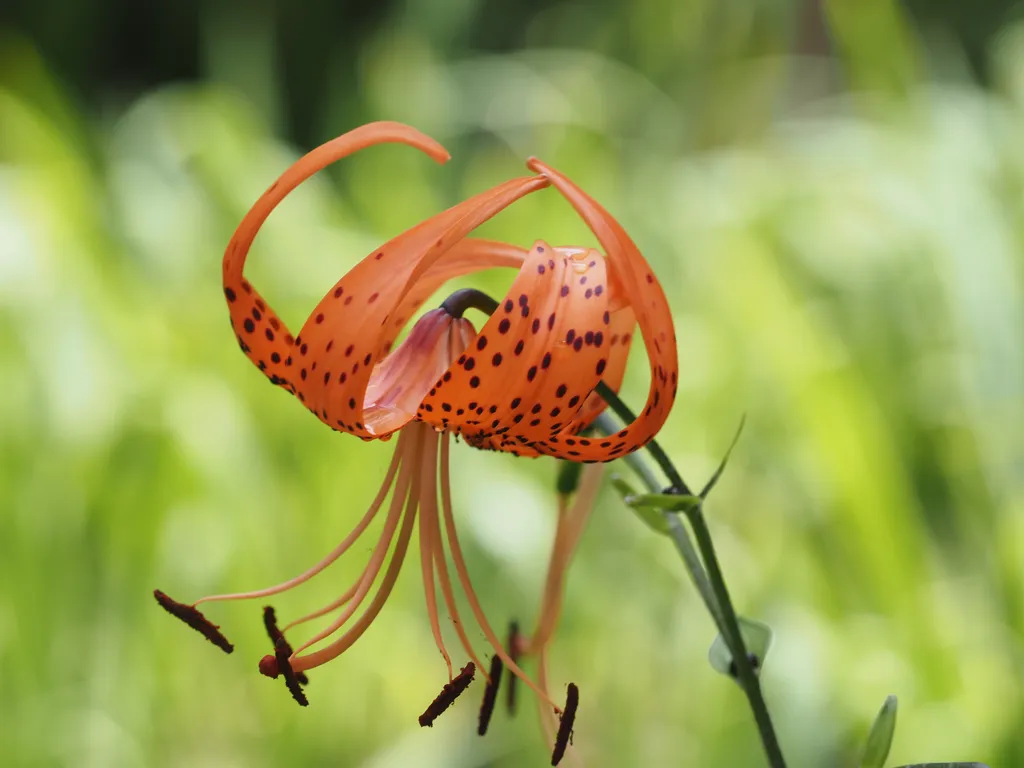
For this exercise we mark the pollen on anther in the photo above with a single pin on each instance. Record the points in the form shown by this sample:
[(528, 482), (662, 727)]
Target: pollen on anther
[(449, 693), (490, 695), (191, 616), (565, 726)]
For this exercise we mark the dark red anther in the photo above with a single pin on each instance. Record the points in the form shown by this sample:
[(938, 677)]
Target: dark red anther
[(276, 636), (572, 700), (514, 645), (490, 694), (448, 695), (194, 619), (284, 666)]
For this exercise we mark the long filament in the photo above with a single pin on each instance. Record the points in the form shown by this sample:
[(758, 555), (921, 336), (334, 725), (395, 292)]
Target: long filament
[(429, 541), (335, 553), (449, 594), (332, 606), (343, 643), (467, 587), (407, 472), (572, 520)]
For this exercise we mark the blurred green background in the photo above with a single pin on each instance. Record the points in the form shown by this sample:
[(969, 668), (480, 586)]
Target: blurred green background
[(833, 196)]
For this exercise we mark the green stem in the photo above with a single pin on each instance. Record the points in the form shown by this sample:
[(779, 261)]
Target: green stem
[(725, 615), (747, 678), (623, 412), (677, 531)]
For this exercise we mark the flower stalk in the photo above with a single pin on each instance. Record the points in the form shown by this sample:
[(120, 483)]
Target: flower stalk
[(707, 576)]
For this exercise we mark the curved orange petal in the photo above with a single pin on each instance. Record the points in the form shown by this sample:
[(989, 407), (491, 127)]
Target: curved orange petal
[(464, 258), (263, 337), (633, 274), (535, 360), (348, 331), (620, 337), (328, 365)]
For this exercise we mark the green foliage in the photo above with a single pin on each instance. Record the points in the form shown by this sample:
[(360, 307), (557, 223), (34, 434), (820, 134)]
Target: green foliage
[(879, 742), (852, 279)]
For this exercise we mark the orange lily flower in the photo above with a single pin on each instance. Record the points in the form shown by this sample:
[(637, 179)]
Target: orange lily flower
[(523, 383)]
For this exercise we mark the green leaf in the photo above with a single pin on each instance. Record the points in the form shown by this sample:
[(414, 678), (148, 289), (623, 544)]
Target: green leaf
[(945, 765), (669, 502), (757, 639), (713, 480), (652, 518), (876, 750)]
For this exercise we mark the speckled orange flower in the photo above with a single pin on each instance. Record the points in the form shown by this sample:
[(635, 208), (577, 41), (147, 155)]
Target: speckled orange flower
[(523, 383)]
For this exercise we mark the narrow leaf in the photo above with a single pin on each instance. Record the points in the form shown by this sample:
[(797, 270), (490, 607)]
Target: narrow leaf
[(876, 750), (713, 481)]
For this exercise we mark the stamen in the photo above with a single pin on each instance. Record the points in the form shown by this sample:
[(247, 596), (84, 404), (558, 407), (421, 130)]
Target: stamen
[(572, 520), (429, 543), (380, 551), (281, 653), (277, 637), (326, 609), (448, 695), (339, 646), (490, 695), (548, 720), (446, 584), (572, 700), (467, 587), (551, 602), (514, 642), (195, 619), (335, 553)]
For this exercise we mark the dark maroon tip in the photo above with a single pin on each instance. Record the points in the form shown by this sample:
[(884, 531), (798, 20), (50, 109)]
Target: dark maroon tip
[(268, 667), (194, 619), (513, 652), (284, 666), (448, 695), (490, 695), (572, 700), (277, 636)]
